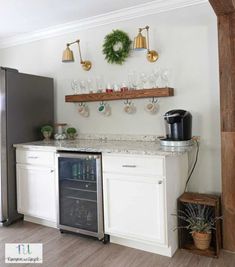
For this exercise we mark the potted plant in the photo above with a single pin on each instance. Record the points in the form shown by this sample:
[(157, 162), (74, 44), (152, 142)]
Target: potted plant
[(71, 132), (200, 221), (47, 131)]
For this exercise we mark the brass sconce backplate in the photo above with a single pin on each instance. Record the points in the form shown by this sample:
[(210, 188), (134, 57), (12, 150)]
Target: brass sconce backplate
[(86, 65), (152, 56)]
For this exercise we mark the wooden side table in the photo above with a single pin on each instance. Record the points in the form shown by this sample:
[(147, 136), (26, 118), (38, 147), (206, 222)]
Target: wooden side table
[(185, 238)]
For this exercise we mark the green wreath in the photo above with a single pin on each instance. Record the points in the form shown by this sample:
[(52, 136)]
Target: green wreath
[(116, 47)]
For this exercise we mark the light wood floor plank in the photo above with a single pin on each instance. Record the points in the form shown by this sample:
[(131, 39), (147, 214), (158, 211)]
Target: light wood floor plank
[(69, 250)]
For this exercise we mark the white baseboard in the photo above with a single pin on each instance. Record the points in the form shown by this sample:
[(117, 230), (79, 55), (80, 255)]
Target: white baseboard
[(40, 221), (153, 248), (158, 249)]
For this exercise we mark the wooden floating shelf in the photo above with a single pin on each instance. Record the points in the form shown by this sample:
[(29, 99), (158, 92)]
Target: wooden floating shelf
[(131, 94)]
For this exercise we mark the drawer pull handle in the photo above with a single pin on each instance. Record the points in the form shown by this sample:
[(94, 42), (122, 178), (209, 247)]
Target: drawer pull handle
[(129, 166), (33, 157), (159, 182)]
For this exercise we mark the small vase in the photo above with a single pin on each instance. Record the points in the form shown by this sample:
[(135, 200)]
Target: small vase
[(71, 136), (201, 240), (47, 135)]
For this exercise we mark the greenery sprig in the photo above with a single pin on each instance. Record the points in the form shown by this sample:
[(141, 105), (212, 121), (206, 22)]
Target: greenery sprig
[(47, 128), (71, 130), (116, 47)]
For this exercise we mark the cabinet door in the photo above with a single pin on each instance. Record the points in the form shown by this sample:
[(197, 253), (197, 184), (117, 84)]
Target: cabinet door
[(36, 191), (134, 208)]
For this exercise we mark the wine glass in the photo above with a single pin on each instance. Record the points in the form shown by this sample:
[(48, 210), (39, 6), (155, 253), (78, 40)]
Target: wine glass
[(132, 80), (143, 80), (165, 77), (157, 74), (99, 84), (151, 80), (116, 86), (89, 85), (75, 86), (83, 86)]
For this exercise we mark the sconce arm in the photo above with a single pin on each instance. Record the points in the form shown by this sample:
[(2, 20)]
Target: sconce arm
[(77, 41), (79, 49), (147, 30), (80, 54)]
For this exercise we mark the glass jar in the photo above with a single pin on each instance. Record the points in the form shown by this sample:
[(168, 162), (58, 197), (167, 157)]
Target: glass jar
[(60, 131)]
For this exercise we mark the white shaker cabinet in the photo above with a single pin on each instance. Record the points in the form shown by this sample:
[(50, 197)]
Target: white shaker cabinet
[(135, 207), (140, 194), (36, 197)]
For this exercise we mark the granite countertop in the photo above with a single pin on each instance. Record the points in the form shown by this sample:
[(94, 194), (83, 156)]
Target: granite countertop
[(107, 146)]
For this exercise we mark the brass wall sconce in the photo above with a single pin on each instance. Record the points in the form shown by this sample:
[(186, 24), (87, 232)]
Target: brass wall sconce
[(68, 56), (140, 44)]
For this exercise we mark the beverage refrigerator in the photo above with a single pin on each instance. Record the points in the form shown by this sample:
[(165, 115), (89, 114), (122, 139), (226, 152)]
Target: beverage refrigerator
[(79, 194)]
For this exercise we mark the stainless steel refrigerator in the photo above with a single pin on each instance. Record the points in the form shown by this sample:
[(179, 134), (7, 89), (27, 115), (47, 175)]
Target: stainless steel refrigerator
[(26, 103)]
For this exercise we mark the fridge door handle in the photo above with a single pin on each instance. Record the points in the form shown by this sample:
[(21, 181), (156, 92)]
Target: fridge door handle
[(129, 166), (62, 154)]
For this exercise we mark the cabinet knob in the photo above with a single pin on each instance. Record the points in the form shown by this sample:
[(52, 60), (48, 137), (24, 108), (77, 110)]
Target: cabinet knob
[(159, 182), (52, 170)]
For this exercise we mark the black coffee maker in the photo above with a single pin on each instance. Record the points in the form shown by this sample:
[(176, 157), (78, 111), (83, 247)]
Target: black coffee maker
[(178, 124)]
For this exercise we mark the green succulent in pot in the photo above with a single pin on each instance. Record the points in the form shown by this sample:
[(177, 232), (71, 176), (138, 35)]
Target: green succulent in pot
[(71, 133), (47, 131), (200, 221)]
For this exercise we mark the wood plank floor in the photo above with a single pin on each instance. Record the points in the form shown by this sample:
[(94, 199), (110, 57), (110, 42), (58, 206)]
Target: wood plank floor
[(67, 250)]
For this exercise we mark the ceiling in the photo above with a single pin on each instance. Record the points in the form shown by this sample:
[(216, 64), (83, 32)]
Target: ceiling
[(23, 21), (23, 16)]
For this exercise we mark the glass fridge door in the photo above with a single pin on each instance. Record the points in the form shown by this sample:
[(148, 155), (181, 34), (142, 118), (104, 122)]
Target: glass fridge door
[(78, 192)]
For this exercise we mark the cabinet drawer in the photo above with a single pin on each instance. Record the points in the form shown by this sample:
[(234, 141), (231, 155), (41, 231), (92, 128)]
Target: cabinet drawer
[(35, 157), (133, 164)]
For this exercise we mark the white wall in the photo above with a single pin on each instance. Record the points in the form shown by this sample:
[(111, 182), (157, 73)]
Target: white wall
[(186, 40)]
